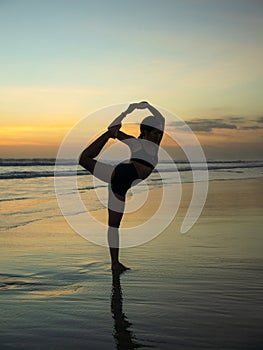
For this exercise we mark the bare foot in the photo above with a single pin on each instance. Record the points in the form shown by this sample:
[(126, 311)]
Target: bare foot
[(119, 267)]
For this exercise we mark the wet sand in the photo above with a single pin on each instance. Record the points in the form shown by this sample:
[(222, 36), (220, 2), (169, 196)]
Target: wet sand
[(201, 290)]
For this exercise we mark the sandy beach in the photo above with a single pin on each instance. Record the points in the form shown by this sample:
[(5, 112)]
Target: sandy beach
[(201, 290)]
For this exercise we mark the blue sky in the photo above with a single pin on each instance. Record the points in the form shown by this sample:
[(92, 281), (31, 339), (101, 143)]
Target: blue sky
[(64, 59)]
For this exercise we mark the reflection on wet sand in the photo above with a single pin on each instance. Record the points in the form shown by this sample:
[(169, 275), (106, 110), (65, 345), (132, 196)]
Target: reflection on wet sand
[(123, 336)]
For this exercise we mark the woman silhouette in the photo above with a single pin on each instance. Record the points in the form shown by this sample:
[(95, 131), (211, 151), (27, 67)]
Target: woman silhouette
[(144, 157)]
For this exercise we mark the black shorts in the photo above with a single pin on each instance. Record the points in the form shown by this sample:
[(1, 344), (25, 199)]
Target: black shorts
[(124, 175)]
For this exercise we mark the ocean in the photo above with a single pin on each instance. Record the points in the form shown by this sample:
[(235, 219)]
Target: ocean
[(28, 193)]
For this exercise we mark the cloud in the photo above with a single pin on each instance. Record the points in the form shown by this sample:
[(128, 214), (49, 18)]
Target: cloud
[(251, 127), (177, 124), (237, 119), (207, 125)]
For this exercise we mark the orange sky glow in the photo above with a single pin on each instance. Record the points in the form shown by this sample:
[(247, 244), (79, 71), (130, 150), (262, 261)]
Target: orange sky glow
[(177, 55)]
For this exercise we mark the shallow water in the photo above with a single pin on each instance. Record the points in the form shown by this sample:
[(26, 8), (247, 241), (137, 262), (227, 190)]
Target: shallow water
[(28, 192), (201, 291), (183, 292)]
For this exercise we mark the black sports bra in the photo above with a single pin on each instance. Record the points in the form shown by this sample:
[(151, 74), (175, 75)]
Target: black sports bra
[(144, 162), (144, 152)]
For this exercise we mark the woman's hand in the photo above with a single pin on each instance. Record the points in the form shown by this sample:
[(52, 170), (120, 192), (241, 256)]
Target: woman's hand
[(142, 105), (131, 108), (113, 131)]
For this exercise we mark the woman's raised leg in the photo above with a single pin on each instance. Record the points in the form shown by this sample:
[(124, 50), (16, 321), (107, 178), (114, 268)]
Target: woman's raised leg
[(100, 170)]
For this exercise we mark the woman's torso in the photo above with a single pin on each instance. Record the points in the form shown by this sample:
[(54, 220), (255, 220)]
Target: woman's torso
[(144, 156)]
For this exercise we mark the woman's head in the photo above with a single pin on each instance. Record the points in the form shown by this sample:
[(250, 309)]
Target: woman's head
[(151, 129)]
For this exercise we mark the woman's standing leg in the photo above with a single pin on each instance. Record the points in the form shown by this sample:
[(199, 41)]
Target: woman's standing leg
[(116, 202), (115, 213)]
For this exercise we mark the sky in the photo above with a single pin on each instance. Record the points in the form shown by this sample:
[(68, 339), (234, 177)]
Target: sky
[(63, 60)]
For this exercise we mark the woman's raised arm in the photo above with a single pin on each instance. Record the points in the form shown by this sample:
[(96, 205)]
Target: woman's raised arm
[(119, 119), (116, 124), (153, 110)]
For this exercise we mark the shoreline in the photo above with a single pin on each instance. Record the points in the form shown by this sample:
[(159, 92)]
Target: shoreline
[(237, 200), (213, 188)]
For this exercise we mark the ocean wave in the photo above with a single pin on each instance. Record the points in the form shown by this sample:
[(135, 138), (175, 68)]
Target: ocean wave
[(35, 162), (71, 169), (5, 162), (195, 167), (37, 174), (14, 199)]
